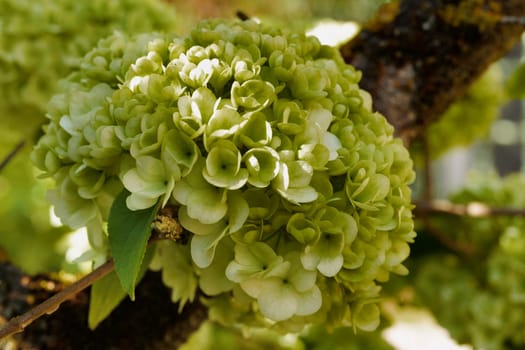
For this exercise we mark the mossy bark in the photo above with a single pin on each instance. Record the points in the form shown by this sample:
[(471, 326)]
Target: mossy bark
[(418, 56)]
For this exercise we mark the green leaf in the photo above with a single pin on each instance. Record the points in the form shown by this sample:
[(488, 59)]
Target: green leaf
[(107, 293), (129, 232)]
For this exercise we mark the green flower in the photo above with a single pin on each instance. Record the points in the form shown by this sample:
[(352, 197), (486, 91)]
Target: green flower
[(105, 148), (366, 316), (153, 127), (209, 233), (148, 181), (305, 231), (293, 182), (90, 182), (357, 265), (195, 111), (255, 131), (206, 237), (252, 95), (74, 210), (283, 63), (223, 166), (256, 260), (179, 153), (364, 187), (326, 254), (81, 111), (309, 82), (203, 202), (196, 75), (179, 276), (263, 166), (290, 117), (397, 253), (212, 279), (223, 124), (281, 297), (44, 156), (244, 68), (261, 204)]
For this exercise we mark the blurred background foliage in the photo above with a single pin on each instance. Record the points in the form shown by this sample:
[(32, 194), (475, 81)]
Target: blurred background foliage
[(211, 336), (291, 12), (41, 41)]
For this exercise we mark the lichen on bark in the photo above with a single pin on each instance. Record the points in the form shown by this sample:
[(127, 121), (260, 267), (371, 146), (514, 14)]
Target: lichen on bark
[(418, 56)]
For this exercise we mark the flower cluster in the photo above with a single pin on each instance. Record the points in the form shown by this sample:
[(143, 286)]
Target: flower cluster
[(295, 193)]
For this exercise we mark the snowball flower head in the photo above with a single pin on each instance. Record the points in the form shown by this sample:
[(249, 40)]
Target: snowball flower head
[(294, 192)]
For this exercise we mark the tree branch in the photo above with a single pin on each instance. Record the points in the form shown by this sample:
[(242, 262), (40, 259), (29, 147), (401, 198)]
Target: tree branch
[(173, 327), (427, 209), (473, 209), (151, 322), (19, 323), (11, 154), (418, 56)]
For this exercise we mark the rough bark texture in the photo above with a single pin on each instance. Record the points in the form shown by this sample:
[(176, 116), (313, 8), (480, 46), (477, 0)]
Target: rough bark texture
[(419, 55)]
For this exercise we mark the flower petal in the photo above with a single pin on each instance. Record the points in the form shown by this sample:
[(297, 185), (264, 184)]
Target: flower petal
[(309, 302), (203, 247), (277, 301)]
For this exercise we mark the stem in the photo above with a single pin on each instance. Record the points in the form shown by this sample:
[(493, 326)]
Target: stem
[(19, 323), (11, 154)]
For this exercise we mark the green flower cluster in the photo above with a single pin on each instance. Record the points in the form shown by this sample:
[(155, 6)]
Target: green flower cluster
[(480, 298), (295, 193), (41, 41)]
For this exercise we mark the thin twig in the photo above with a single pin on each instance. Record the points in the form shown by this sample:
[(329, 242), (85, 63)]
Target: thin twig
[(165, 226), (19, 323), (473, 209), (11, 154)]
